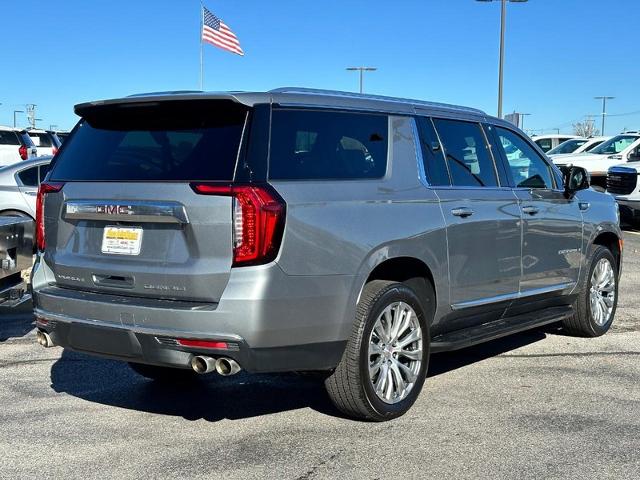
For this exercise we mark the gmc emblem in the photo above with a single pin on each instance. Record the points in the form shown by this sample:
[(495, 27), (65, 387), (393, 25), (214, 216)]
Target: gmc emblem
[(114, 209)]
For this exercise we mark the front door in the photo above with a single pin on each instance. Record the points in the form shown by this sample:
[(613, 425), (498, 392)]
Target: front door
[(552, 223)]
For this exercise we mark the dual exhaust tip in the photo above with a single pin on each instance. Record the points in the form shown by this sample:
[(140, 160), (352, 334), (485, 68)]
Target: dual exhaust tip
[(224, 366), (44, 339)]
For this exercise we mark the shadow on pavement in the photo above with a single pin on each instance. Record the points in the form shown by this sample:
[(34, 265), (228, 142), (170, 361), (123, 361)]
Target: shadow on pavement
[(214, 398), (16, 322)]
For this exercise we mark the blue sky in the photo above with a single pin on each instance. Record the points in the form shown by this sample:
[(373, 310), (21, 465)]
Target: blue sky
[(560, 53)]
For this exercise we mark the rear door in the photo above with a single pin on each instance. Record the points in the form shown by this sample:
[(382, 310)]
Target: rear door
[(482, 219), (552, 223), (127, 220)]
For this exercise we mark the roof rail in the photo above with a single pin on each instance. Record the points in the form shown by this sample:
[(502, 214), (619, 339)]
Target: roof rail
[(168, 92), (366, 96)]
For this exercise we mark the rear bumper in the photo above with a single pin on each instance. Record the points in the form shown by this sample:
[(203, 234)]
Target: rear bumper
[(140, 345), (278, 322)]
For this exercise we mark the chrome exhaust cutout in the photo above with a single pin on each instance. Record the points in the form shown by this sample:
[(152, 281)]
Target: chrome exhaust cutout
[(44, 339), (202, 365), (227, 366)]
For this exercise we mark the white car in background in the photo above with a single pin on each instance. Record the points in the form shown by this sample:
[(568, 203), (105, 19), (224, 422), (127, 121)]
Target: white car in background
[(576, 146), (619, 149), (19, 186), (622, 183), (47, 142), (15, 145), (547, 142)]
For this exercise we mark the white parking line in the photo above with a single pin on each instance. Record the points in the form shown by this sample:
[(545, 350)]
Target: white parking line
[(630, 232)]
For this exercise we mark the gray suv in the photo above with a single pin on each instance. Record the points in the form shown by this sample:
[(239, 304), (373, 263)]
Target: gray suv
[(305, 230)]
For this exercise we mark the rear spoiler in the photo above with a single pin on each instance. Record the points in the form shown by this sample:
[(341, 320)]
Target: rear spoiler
[(82, 109)]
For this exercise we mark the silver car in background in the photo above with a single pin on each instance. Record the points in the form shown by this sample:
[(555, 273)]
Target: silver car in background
[(19, 186)]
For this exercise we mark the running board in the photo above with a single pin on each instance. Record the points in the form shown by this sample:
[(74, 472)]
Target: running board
[(498, 328)]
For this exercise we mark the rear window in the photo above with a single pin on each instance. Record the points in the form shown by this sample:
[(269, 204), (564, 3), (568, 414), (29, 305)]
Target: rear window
[(8, 137), (316, 145), (165, 141), (41, 139)]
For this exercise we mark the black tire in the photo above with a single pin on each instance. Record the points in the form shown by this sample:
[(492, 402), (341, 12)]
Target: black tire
[(583, 323), (349, 386), (164, 374)]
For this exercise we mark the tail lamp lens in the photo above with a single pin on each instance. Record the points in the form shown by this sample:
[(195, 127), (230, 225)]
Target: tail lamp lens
[(43, 190), (258, 220), (23, 152)]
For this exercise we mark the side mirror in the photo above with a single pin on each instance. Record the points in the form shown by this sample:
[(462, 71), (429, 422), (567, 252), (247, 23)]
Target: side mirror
[(634, 155), (575, 179)]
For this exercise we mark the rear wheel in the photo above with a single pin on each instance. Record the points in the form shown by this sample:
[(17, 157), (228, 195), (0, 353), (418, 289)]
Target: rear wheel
[(597, 301), (385, 362), (163, 374)]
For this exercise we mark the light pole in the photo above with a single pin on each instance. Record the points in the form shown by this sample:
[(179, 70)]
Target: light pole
[(503, 19), (361, 70), (604, 109), (523, 115), (14, 116)]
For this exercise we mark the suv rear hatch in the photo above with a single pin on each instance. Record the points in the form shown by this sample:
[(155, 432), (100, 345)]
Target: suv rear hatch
[(122, 216)]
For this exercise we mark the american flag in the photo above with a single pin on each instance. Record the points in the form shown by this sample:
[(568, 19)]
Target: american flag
[(215, 32)]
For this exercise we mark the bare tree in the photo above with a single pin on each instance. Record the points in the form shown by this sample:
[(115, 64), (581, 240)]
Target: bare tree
[(585, 129)]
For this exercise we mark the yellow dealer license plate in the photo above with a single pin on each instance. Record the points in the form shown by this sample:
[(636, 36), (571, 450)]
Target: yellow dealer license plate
[(122, 241)]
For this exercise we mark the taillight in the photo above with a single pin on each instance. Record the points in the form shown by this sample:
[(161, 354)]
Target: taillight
[(23, 152), (42, 192), (258, 220), (54, 150)]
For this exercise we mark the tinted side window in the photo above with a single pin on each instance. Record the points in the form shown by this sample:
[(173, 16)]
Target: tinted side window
[(435, 166), (312, 145), (44, 169), (29, 177), (8, 138), (545, 144), (528, 169), (467, 154)]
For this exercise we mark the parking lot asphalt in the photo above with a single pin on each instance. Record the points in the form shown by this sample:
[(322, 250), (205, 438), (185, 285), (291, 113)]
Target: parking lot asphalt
[(535, 405)]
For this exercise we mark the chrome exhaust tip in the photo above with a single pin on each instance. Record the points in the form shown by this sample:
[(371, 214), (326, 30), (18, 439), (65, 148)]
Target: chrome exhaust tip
[(44, 339), (202, 365), (227, 366)]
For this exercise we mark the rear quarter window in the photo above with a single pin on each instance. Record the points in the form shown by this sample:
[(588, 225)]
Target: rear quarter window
[(29, 177), (317, 145)]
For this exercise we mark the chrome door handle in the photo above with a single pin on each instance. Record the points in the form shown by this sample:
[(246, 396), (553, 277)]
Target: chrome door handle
[(462, 212), (530, 210)]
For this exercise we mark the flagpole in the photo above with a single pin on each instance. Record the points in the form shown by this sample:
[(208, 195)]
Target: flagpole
[(201, 45)]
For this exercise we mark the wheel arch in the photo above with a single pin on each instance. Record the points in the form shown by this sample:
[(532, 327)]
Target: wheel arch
[(8, 211), (412, 271), (613, 242)]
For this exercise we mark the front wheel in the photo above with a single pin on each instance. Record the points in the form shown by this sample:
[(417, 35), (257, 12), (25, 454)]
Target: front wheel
[(385, 362)]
